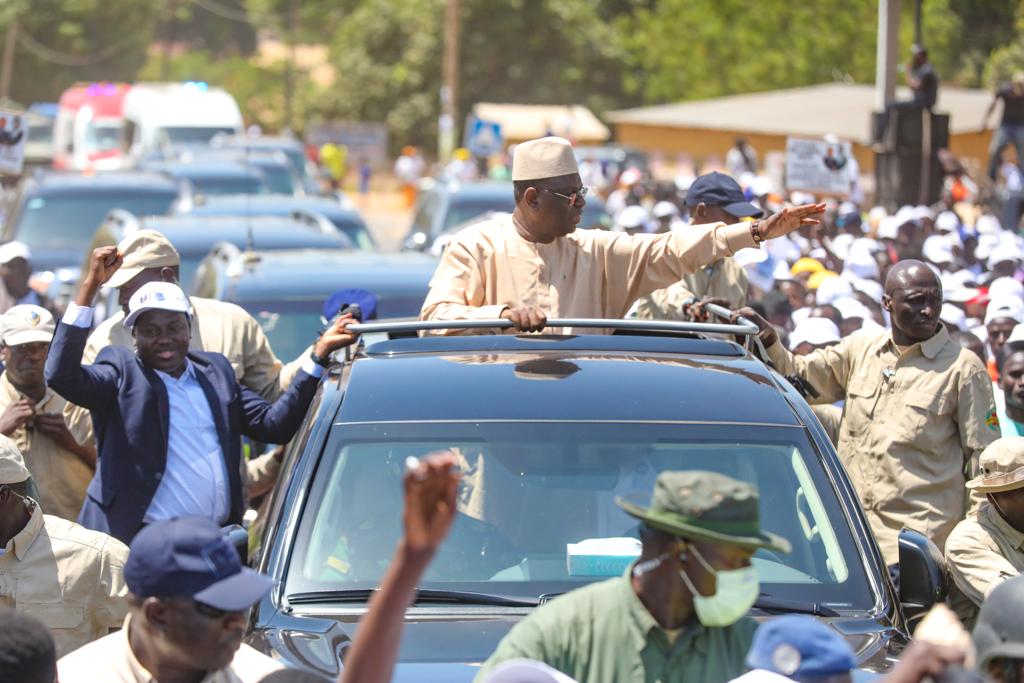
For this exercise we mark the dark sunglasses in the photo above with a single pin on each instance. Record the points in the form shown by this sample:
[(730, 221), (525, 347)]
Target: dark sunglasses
[(210, 612), (570, 198)]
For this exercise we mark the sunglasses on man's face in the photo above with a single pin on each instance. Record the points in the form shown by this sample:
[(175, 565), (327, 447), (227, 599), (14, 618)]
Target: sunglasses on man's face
[(570, 198), (209, 611)]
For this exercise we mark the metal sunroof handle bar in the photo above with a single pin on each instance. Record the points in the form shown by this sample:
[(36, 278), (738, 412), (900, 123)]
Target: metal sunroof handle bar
[(725, 313), (744, 327)]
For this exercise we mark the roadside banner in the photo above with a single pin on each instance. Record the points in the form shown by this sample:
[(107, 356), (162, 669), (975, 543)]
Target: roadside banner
[(818, 166), (13, 132)]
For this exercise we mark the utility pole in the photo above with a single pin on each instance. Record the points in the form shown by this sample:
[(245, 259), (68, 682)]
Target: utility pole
[(450, 83), (7, 68), (887, 52), (289, 72)]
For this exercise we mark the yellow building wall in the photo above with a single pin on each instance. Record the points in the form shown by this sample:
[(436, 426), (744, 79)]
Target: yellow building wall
[(701, 143)]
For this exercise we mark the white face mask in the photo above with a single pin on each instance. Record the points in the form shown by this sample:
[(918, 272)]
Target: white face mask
[(735, 593)]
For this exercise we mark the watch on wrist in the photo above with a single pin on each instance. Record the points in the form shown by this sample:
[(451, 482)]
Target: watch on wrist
[(755, 231), (322, 362)]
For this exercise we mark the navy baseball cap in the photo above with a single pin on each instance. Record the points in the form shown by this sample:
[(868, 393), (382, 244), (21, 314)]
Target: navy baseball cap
[(366, 300), (718, 189), (189, 557), (800, 647)]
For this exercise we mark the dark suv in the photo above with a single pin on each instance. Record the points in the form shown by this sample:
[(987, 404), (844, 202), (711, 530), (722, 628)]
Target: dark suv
[(550, 429)]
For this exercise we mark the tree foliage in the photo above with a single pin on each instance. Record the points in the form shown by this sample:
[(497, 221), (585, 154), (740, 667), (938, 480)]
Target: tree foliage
[(605, 54)]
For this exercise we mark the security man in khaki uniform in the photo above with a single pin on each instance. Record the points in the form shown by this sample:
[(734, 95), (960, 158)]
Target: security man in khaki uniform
[(918, 411), (67, 576), (55, 438), (712, 198), (988, 547), (219, 326)]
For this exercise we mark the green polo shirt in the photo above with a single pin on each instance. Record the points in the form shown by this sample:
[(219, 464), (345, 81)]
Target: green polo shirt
[(603, 633)]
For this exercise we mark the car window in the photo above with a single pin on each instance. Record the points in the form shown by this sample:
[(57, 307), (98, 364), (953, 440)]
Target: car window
[(356, 231), (55, 221), (537, 512), (461, 210), (279, 179), (227, 185), (426, 207), (186, 135)]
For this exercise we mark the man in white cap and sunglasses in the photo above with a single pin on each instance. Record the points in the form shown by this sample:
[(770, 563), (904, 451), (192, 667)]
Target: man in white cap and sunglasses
[(169, 421), (534, 264)]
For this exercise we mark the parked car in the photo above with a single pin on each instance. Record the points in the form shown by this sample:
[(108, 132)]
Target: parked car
[(442, 208), (345, 218), (210, 177), (285, 290), (195, 236), (549, 430), (290, 147), (56, 214)]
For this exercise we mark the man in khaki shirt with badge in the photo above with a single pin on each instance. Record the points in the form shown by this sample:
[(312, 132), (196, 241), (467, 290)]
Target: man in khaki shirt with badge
[(219, 327), (67, 576), (918, 410), (535, 264), (988, 547), (713, 198), (54, 436)]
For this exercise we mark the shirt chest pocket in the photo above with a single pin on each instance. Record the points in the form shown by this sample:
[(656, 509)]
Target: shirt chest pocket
[(917, 417), (56, 616), (861, 396)]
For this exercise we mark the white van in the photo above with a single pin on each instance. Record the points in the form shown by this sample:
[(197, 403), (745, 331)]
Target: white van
[(159, 115)]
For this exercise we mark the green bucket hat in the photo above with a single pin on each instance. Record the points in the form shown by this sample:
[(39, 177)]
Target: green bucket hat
[(706, 506)]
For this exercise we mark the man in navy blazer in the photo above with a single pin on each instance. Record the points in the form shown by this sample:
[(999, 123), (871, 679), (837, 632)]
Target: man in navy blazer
[(168, 422)]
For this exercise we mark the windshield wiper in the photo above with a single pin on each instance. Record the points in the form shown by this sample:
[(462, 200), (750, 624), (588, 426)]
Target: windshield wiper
[(770, 604), (424, 595)]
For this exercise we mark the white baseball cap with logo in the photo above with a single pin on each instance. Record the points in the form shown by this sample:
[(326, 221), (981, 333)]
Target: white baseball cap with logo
[(159, 296), (26, 324)]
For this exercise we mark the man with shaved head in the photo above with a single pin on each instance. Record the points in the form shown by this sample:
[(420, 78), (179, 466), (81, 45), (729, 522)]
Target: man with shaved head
[(918, 411)]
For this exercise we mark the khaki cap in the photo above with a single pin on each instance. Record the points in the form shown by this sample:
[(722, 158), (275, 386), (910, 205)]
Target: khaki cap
[(26, 324), (141, 250), (12, 465), (706, 506), (1002, 466), (543, 158)]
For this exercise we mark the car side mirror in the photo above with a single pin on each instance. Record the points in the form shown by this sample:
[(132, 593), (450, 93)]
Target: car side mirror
[(923, 579), (238, 537)]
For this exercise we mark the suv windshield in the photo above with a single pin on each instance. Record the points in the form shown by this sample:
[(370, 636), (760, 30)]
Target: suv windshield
[(537, 513), (68, 221), (462, 209), (192, 135)]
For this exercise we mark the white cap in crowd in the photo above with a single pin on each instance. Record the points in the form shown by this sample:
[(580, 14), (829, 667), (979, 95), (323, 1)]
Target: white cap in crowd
[(665, 209), (632, 218), (953, 315), (947, 221), (938, 249), (26, 324), (1005, 287), (160, 295), (12, 250), (831, 289), (1009, 307), (1004, 251), (814, 331), (849, 307), (873, 288)]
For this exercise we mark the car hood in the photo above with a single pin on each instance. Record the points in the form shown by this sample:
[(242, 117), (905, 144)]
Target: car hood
[(449, 644)]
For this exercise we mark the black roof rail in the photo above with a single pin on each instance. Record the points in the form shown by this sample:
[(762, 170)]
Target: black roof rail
[(744, 327)]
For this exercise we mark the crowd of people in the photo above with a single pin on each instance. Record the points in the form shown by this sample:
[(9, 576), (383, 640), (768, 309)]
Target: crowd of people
[(904, 330)]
